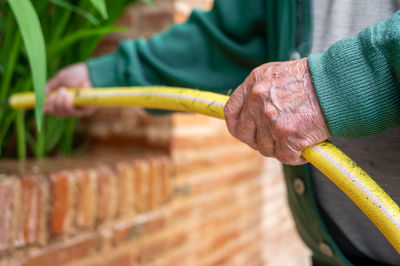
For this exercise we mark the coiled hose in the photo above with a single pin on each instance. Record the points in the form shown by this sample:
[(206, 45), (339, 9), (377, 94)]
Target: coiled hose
[(338, 167)]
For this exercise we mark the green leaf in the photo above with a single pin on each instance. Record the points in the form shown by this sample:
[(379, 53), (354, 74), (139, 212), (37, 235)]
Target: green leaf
[(20, 125), (31, 32), (2, 24), (54, 130), (5, 125), (100, 5), (92, 19), (12, 60), (66, 145), (39, 144), (79, 35)]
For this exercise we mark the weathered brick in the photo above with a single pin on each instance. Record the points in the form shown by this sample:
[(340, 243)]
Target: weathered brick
[(150, 251), (166, 175), (7, 261), (225, 176), (7, 199), (215, 224), (154, 183), (30, 209), (140, 184), (128, 18), (155, 249), (178, 238), (156, 20), (61, 209), (62, 253), (86, 203), (195, 160), (125, 175), (182, 257), (236, 253), (121, 127), (208, 134), (155, 224), (107, 194), (142, 225), (121, 260)]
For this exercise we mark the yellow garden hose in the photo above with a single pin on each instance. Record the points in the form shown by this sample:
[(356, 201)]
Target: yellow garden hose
[(339, 168)]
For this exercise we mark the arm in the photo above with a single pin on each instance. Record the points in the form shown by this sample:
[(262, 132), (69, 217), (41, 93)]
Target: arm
[(357, 81), (277, 112), (213, 50)]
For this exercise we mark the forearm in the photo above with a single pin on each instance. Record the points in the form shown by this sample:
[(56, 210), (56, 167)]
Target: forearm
[(212, 50), (357, 81)]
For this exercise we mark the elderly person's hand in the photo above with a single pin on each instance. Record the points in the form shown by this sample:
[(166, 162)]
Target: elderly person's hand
[(276, 111), (61, 103)]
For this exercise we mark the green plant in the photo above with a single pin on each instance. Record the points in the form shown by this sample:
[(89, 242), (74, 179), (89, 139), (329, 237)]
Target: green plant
[(52, 34)]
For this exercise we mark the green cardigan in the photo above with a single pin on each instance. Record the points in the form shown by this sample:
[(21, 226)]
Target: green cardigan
[(356, 80)]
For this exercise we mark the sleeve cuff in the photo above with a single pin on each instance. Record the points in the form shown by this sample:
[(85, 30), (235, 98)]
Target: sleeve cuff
[(103, 71), (356, 88)]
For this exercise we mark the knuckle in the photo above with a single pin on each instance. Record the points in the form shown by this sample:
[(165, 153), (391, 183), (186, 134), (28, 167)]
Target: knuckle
[(284, 129), (255, 72), (299, 144), (279, 130), (258, 73), (258, 93), (269, 112)]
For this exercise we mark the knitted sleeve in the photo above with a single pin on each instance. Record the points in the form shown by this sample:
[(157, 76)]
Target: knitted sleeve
[(213, 50), (357, 81)]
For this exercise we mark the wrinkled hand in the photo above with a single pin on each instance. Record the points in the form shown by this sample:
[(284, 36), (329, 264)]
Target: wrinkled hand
[(61, 103), (276, 111)]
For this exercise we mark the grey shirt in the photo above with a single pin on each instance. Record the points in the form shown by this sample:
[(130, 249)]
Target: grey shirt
[(379, 155)]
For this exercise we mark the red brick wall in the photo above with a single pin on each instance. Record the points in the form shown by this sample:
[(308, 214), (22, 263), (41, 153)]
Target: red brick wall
[(169, 190), (134, 207)]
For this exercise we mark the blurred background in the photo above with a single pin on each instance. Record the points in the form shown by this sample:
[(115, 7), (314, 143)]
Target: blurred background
[(126, 188)]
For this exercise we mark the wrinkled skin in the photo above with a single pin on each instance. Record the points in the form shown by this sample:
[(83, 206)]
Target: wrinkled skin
[(60, 104), (276, 111)]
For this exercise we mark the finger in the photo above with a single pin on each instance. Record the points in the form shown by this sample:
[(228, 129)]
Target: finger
[(52, 85), (68, 107), (50, 106), (246, 128), (289, 156), (61, 102), (233, 108), (67, 102), (265, 140)]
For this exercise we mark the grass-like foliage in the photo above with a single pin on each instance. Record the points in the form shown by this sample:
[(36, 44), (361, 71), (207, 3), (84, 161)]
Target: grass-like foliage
[(36, 39)]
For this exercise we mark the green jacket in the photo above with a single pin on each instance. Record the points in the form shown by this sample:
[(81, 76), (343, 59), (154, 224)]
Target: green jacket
[(356, 80)]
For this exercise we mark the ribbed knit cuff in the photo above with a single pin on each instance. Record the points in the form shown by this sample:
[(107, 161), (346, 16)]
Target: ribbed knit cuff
[(103, 71), (356, 88)]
